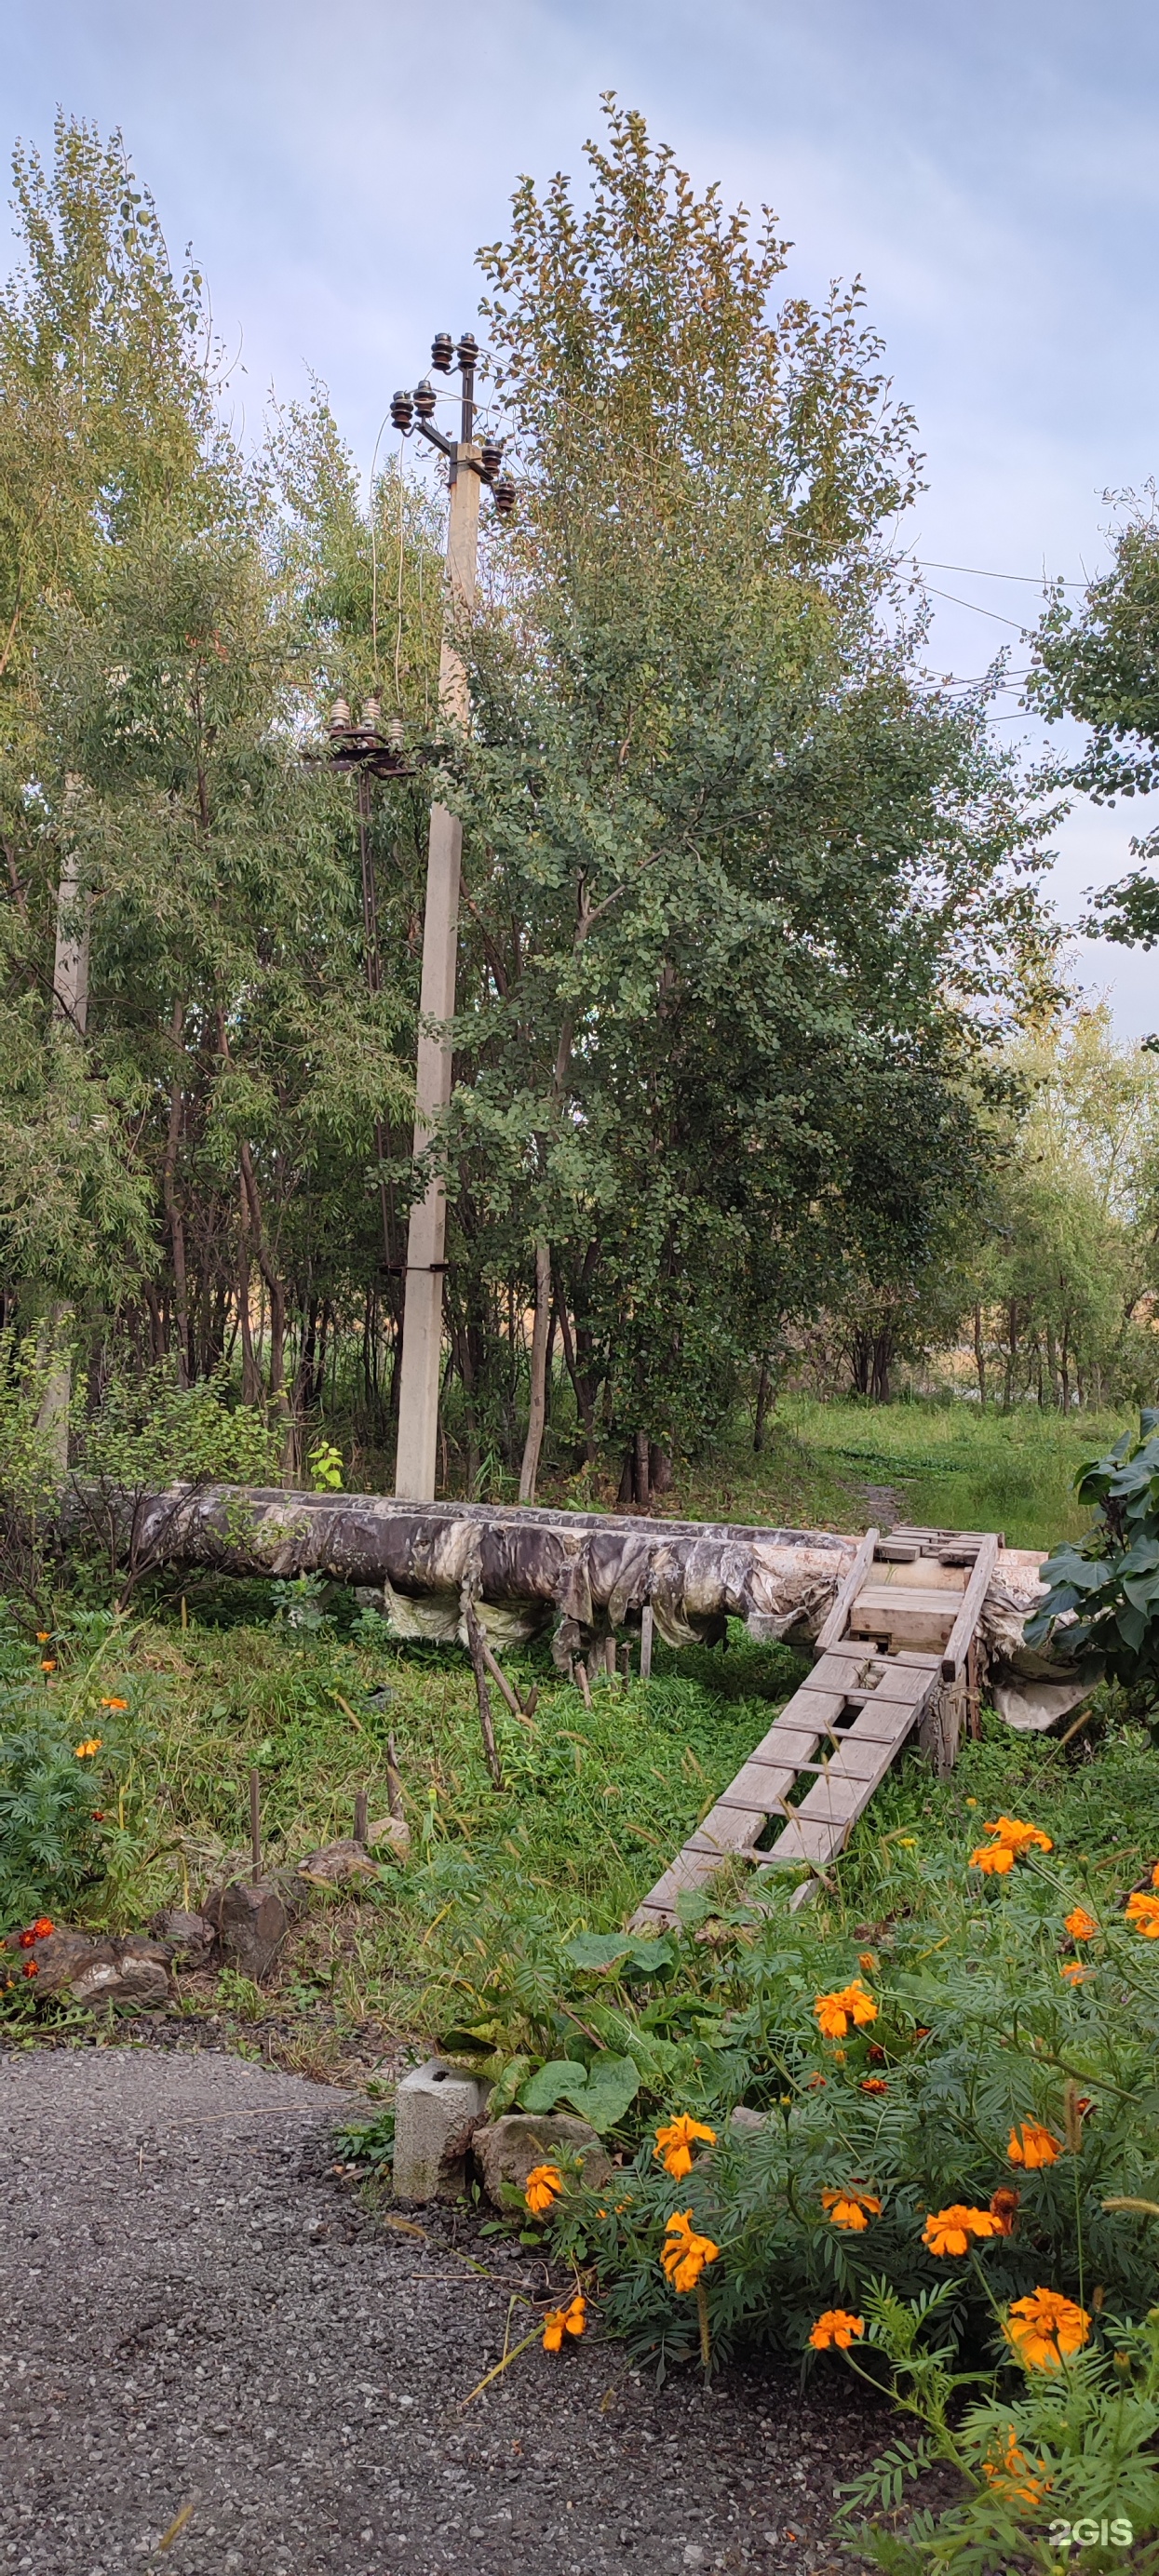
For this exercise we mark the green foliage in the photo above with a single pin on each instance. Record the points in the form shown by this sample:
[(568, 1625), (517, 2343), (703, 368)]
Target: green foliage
[(1105, 1586), (1099, 665)]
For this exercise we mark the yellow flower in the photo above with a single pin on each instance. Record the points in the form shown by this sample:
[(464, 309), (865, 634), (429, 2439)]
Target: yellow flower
[(560, 2321), (675, 2143), (1143, 1912), (543, 2185), (838, 2012), (684, 2253), (835, 2326), (1080, 1925), (1045, 2327), (851, 2207), (84, 1752), (948, 2231), (1032, 2145)]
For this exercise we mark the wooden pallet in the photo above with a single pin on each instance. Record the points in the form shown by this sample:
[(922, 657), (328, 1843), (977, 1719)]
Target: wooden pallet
[(901, 1629)]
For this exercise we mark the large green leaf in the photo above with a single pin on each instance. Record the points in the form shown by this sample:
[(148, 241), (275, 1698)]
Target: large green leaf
[(601, 2094)]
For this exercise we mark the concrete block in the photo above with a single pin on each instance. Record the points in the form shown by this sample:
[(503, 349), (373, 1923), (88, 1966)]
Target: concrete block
[(436, 2111)]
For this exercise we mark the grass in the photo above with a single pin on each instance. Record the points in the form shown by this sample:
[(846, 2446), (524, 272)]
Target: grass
[(948, 1464), (596, 1801)]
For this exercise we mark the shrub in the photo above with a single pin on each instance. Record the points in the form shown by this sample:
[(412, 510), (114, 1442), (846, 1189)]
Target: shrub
[(1104, 1587)]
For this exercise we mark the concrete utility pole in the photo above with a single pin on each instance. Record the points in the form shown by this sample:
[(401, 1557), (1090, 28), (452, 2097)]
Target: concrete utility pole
[(469, 465)]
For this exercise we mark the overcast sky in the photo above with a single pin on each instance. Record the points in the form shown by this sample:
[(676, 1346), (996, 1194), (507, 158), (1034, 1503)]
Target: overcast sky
[(991, 172)]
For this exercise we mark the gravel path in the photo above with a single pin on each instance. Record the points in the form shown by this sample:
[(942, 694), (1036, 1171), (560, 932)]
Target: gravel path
[(193, 2308)]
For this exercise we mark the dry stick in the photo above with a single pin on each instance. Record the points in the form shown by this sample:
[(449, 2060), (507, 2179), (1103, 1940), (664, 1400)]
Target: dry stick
[(626, 1659), (393, 1781), (498, 1676), (475, 1648), (256, 1824), (360, 1815), (646, 1624), (585, 1685), (501, 2366)]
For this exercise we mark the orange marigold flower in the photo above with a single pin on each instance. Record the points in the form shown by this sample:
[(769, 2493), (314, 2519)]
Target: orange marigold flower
[(114, 1703), (30, 1968), (1080, 1925), (1143, 1912), (847, 2007), (835, 2326), (866, 1960), (684, 2253), (84, 1752), (1073, 1971), (1004, 2207), (1032, 2145), (993, 1858), (560, 2321), (1044, 2328), (817, 2083), (874, 2084), (1155, 1875), (43, 1636), (674, 2144), (1011, 1839), (948, 2231), (851, 2207), (1011, 2474), (41, 1928), (26, 1938), (47, 1664), (543, 2185)]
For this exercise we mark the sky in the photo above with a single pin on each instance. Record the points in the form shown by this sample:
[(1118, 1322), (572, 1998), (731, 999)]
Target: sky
[(990, 173)]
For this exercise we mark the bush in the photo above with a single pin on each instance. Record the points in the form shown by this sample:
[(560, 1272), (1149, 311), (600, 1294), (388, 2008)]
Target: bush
[(990, 2051), (1104, 1587)]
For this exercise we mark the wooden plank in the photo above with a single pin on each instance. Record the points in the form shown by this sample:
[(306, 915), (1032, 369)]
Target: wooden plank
[(834, 1626), (961, 1634), (832, 1806), (647, 1623)]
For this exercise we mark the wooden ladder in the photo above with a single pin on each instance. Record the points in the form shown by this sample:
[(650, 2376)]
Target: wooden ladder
[(901, 1627)]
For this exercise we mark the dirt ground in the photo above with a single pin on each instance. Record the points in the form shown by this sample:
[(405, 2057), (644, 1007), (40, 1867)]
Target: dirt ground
[(199, 2318)]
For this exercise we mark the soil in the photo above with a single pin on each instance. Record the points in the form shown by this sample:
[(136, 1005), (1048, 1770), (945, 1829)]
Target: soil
[(197, 2311)]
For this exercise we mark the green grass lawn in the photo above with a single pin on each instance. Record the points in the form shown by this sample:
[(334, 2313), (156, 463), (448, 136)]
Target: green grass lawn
[(596, 1801), (948, 1464)]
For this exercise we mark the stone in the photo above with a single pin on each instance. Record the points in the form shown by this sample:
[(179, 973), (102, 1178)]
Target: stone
[(744, 2118), (339, 1864), (508, 2148), (394, 1833), (132, 1971), (250, 1921), (188, 1938), (437, 2110)]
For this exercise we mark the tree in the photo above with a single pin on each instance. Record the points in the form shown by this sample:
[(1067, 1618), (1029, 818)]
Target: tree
[(740, 886), (1102, 667)]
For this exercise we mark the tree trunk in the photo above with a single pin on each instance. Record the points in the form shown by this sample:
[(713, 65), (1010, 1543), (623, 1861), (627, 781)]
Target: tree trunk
[(538, 1404), (172, 1211), (764, 1384), (641, 1476), (979, 1354)]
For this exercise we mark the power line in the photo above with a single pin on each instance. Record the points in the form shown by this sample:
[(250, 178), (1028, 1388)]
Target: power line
[(1037, 580)]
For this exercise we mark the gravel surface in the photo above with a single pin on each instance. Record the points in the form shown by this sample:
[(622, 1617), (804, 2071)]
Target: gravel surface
[(193, 2309)]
